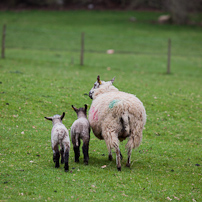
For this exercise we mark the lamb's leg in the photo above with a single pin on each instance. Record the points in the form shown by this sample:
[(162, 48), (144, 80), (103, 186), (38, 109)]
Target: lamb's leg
[(66, 147), (77, 152), (66, 159), (56, 156), (62, 154), (85, 151)]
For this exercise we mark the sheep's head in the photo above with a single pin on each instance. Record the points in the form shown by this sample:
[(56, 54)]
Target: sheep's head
[(81, 112), (97, 85), (56, 118)]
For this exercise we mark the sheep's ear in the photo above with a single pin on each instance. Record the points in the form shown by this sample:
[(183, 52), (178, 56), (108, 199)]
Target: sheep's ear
[(113, 80), (63, 115), (48, 118), (98, 80), (86, 106)]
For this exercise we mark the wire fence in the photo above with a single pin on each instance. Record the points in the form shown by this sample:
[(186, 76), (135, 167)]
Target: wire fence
[(62, 40)]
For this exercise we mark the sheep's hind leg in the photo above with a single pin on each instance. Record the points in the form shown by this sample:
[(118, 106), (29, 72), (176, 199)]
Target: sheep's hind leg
[(118, 154), (129, 147), (133, 142), (115, 144), (109, 151), (118, 158), (111, 139), (129, 156), (121, 156), (110, 154)]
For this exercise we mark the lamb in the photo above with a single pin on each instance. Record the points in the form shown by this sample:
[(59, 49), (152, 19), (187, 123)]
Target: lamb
[(114, 116), (81, 130), (60, 136)]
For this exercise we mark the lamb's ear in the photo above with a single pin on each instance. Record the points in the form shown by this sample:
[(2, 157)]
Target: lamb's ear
[(48, 118), (63, 115), (98, 80), (86, 106), (74, 108), (113, 80)]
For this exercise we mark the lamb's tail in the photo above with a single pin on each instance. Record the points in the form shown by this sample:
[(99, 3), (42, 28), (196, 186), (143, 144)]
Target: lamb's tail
[(77, 139), (125, 119)]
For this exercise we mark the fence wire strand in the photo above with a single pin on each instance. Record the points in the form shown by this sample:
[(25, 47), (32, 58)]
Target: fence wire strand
[(62, 40)]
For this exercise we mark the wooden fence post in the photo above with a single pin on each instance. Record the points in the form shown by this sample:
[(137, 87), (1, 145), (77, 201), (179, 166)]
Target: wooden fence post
[(82, 48), (169, 56), (3, 42)]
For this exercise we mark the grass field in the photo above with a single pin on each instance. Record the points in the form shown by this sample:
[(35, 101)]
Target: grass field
[(41, 76)]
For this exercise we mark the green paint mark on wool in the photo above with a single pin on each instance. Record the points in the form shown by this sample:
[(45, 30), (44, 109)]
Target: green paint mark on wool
[(112, 103)]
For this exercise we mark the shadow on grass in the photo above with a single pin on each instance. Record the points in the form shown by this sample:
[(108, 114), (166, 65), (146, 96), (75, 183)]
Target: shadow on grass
[(103, 161)]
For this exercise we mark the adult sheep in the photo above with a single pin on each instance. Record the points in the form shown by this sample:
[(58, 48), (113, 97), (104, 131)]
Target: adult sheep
[(114, 116)]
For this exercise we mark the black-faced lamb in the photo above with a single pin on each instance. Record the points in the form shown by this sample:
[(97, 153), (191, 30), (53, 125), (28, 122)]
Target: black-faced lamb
[(60, 136), (81, 130), (114, 116)]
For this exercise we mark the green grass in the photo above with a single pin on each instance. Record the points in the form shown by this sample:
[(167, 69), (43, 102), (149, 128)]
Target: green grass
[(38, 78)]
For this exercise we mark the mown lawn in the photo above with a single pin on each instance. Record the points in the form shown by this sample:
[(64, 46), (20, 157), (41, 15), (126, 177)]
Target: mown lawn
[(41, 76)]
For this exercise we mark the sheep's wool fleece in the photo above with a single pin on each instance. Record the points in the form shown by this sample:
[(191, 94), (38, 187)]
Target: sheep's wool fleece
[(109, 105)]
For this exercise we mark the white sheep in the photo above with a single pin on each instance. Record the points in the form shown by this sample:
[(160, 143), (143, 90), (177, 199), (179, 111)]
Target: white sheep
[(114, 116), (81, 130), (60, 136)]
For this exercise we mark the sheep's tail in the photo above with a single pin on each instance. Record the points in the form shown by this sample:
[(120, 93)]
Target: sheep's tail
[(77, 139), (125, 119)]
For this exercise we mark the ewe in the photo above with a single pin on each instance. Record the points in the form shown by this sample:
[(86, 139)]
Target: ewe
[(60, 136), (114, 116)]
